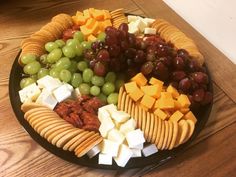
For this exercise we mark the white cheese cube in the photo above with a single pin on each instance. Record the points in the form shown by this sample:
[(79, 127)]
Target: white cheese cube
[(123, 156), (110, 147), (136, 152), (70, 87), (133, 28), (61, 93), (47, 99), (139, 146), (106, 125), (120, 116), (128, 126), (116, 136), (94, 151), (105, 159), (109, 108), (149, 150), (49, 83), (117, 124), (31, 92), (103, 114), (132, 18), (149, 21), (141, 25), (150, 31), (135, 138)]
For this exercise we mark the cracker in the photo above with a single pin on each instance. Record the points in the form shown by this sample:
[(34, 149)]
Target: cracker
[(63, 140), (140, 116), (47, 126), (60, 135), (185, 130), (119, 97), (42, 124), (191, 130), (159, 130), (56, 132), (162, 135), (170, 134), (147, 126), (177, 141), (123, 99), (129, 106), (83, 143), (174, 135), (151, 129), (136, 113), (132, 114), (125, 106), (143, 120), (37, 122), (166, 135), (28, 106), (46, 132)]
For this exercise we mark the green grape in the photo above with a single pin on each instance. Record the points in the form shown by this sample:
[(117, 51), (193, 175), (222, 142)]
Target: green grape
[(78, 50), (76, 79), (79, 36), (26, 81), (28, 58), (63, 63), (65, 75), (112, 98), (32, 68), (97, 80), (54, 73), (73, 66), (68, 51), (101, 36), (110, 77), (118, 84), (87, 75), (82, 65), (94, 90), (84, 88), (102, 97), (43, 58), (54, 55), (86, 45), (34, 76), (60, 43), (43, 72), (108, 88), (50, 46), (72, 43)]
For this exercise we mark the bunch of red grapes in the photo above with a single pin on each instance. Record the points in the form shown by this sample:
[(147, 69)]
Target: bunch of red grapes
[(124, 52)]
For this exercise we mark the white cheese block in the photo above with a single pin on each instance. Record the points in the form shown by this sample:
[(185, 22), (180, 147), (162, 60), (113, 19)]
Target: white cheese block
[(116, 136), (47, 99), (133, 28), (128, 126), (132, 18), (149, 21), (120, 116), (141, 25), (123, 156), (94, 151), (136, 152), (149, 150), (110, 147), (61, 93), (105, 159), (70, 87), (31, 92), (139, 146), (106, 126), (49, 83), (135, 138), (109, 108), (103, 115), (150, 31)]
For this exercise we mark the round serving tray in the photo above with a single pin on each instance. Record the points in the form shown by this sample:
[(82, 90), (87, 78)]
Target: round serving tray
[(158, 158)]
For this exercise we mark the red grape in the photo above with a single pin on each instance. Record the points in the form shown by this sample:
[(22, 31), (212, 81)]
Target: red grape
[(111, 39), (100, 69), (92, 63), (103, 55), (198, 95), (147, 68), (114, 50), (166, 60), (139, 57), (115, 64), (183, 53), (131, 40), (200, 77), (124, 27), (208, 97), (178, 63), (161, 71), (185, 85), (193, 66), (110, 30), (130, 53), (178, 75), (124, 45), (88, 54)]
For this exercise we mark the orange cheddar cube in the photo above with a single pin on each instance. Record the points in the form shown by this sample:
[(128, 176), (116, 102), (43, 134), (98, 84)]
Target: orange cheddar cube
[(166, 95), (184, 101), (176, 116), (157, 104), (152, 90), (161, 114), (79, 20), (177, 104), (184, 110), (131, 87), (173, 91), (154, 81), (190, 116), (143, 107), (101, 26), (140, 79), (78, 13), (147, 101), (98, 14), (90, 22), (86, 14), (136, 94), (107, 14), (95, 28), (86, 32), (166, 101), (92, 38), (91, 12), (106, 23)]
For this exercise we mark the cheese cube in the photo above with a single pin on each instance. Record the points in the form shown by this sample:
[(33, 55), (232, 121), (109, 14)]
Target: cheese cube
[(190, 116), (147, 101), (135, 138), (173, 91), (184, 110), (154, 81), (152, 90), (166, 101), (116, 136), (139, 146), (176, 116), (110, 147), (184, 101), (105, 159), (110, 108), (94, 151), (128, 126), (106, 125), (120, 116), (131, 86), (161, 114), (62, 93), (136, 94), (149, 21), (141, 25), (47, 99), (133, 29), (103, 115), (31, 92), (177, 104), (49, 83), (132, 18), (124, 155), (140, 79), (157, 104), (150, 31), (149, 150), (70, 87), (136, 152)]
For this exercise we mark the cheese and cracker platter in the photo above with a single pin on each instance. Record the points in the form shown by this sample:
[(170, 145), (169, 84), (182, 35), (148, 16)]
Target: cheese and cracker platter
[(111, 90)]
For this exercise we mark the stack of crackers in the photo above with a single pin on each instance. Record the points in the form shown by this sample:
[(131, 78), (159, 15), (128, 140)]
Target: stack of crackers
[(118, 17)]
